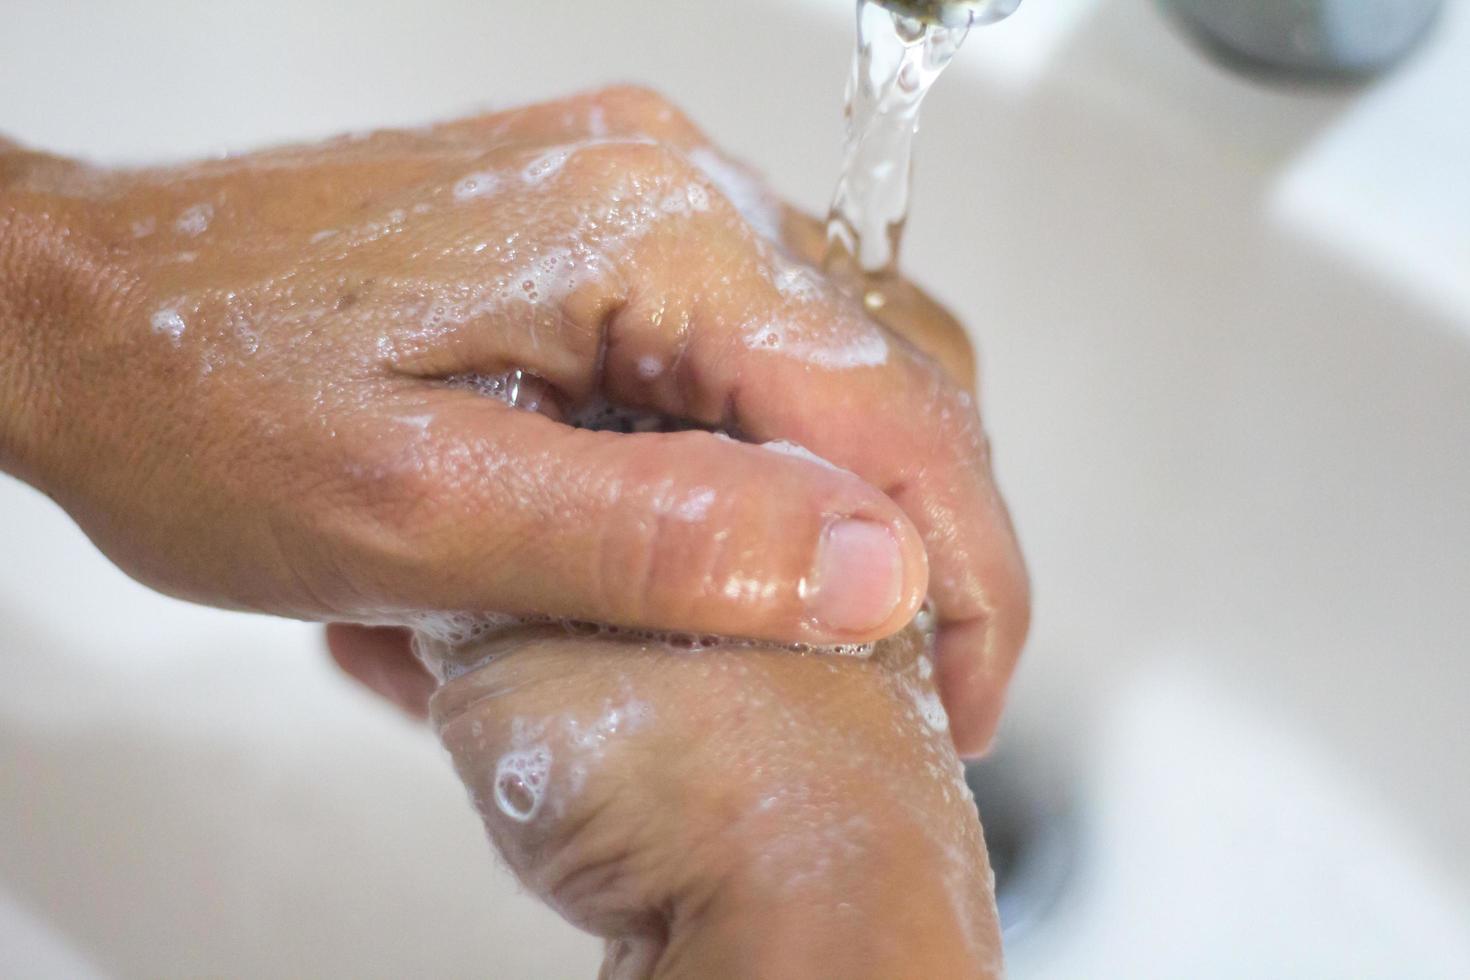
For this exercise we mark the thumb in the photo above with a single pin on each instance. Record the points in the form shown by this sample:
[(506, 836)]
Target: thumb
[(492, 509)]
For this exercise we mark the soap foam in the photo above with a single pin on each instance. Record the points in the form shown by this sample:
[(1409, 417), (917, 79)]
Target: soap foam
[(547, 165), (742, 188), (521, 778), (170, 323), (195, 220), (479, 184), (786, 448), (931, 709), (833, 347), (440, 635), (457, 628)]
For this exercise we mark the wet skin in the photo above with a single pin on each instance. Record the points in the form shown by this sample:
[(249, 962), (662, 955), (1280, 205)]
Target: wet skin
[(243, 378), (725, 813), (728, 813), (250, 381)]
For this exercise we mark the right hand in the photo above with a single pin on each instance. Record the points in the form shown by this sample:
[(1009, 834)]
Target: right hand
[(731, 813), (237, 376)]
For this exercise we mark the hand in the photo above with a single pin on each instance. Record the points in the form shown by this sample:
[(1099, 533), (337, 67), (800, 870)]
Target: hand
[(259, 382), (731, 813)]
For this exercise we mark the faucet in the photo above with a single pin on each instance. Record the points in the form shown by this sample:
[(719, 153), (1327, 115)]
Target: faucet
[(1307, 40), (954, 13)]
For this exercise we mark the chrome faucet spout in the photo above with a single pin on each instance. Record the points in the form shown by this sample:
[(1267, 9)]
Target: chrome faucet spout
[(954, 13)]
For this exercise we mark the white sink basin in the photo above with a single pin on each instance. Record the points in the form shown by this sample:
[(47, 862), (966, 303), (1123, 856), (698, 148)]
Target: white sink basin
[(1227, 335)]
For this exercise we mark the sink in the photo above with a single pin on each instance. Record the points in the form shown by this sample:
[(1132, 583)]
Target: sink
[(1226, 333)]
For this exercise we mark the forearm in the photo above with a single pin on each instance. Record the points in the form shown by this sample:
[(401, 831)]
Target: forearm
[(907, 920)]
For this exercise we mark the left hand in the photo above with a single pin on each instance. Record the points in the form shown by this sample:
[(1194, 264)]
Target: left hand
[(978, 578), (732, 813)]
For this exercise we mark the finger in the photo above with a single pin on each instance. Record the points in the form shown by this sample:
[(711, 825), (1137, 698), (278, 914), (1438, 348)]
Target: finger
[(897, 304), (488, 508), (382, 660), (973, 686), (650, 288), (626, 113), (615, 111), (836, 384), (981, 585), (923, 445)]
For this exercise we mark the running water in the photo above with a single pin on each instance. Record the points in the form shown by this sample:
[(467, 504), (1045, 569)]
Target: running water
[(903, 46)]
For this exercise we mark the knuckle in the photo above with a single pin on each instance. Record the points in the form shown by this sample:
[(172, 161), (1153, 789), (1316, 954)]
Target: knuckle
[(545, 772), (636, 106), (596, 867), (639, 160), (722, 560), (670, 577), (658, 569)]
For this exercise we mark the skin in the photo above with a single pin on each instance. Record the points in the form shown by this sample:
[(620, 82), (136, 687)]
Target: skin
[(236, 376), (738, 813), (721, 813)]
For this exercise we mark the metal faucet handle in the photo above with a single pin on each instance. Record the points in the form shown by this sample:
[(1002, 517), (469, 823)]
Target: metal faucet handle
[(1308, 40)]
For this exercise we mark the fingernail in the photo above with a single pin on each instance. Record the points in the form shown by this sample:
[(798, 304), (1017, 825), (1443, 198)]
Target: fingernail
[(857, 578)]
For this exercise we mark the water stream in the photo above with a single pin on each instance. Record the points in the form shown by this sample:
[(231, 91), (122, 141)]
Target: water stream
[(900, 54)]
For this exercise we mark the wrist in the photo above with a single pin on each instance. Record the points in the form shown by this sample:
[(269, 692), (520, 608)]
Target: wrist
[(860, 856), (900, 913)]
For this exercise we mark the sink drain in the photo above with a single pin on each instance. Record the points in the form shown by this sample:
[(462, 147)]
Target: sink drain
[(1029, 833)]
